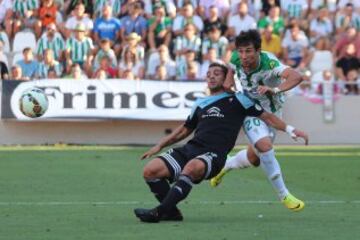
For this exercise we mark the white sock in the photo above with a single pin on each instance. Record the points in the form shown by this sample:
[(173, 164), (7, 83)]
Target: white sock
[(240, 160), (272, 170)]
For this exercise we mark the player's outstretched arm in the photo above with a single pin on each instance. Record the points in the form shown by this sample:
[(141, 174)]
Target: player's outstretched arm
[(177, 135), (292, 79), (279, 124)]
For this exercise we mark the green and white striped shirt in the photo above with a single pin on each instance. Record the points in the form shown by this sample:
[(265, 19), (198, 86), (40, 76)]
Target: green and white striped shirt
[(268, 73), (115, 4), (43, 69), (79, 50), (57, 44), (220, 46), (294, 8), (21, 6)]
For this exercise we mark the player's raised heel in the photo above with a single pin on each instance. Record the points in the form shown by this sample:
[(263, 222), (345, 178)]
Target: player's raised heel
[(215, 181), (293, 203)]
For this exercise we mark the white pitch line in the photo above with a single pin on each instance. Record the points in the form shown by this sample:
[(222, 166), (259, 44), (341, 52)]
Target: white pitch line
[(190, 203)]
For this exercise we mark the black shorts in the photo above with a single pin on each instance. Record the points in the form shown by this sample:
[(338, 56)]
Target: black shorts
[(176, 159)]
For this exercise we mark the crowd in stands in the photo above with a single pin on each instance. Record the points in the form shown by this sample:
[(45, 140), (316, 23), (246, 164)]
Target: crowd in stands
[(175, 39)]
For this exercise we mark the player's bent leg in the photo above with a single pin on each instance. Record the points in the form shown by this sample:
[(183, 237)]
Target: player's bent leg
[(271, 167), (155, 174), (243, 159), (193, 171)]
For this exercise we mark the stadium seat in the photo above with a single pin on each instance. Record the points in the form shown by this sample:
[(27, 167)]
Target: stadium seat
[(321, 61), (24, 39), (5, 39), (18, 56)]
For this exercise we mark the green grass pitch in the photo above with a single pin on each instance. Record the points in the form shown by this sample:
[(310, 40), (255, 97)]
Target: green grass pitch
[(89, 193)]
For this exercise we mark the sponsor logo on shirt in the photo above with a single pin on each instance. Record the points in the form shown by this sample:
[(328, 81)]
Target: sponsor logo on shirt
[(213, 112)]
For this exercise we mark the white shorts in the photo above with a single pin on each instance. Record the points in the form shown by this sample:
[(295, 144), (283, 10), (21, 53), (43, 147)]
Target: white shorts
[(256, 129)]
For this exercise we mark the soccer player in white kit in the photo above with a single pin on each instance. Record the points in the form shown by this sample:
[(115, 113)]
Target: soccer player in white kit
[(263, 79)]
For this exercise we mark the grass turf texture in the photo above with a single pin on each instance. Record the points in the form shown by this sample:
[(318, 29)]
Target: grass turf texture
[(90, 192)]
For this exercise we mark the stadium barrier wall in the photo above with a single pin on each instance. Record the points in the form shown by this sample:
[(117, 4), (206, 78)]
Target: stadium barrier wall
[(298, 111)]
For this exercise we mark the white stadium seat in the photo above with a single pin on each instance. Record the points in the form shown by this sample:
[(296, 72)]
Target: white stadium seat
[(322, 60), (5, 39), (24, 39)]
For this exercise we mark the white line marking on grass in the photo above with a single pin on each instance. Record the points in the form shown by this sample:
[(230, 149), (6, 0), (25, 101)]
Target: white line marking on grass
[(245, 202)]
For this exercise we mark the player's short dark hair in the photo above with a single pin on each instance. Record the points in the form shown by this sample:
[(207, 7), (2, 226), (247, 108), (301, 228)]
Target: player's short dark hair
[(248, 37), (220, 65)]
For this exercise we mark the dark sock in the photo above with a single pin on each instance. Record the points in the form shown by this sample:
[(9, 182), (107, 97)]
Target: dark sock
[(160, 188), (178, 192)]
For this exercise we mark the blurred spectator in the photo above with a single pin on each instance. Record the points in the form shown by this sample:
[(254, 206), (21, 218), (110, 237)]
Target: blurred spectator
[(254, 7), (164, 59), (49, 63), (161, 73), (79, 17), (271, 42), (321, 26), (295, 48), (47, 13), (79, 49), (274, 19), (16, 74), (180, 3), (128, 75), (29, 66), (76, 72), (133, 42), (213, 20), (192, 71), (240, 22), (268, 4), (223, 7), (185, 17), (216, 41), (6, 15), (105, 65), (108, 27), (189, 41), (212, 57), (159, 28), (348, 68), (350, 36), (294, 9), (4, 72), (52, 74), (70, 5), (25, 15), (53, 40), (100, 4), (347, 18), (105, 50), (342, 4), (317, 5), (132, 63), (182, 66), (100, 75), (151, 5), (134, 22)]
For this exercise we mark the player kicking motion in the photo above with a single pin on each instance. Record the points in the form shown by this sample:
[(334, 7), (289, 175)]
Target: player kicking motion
[(260, 75), (216, 120)]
